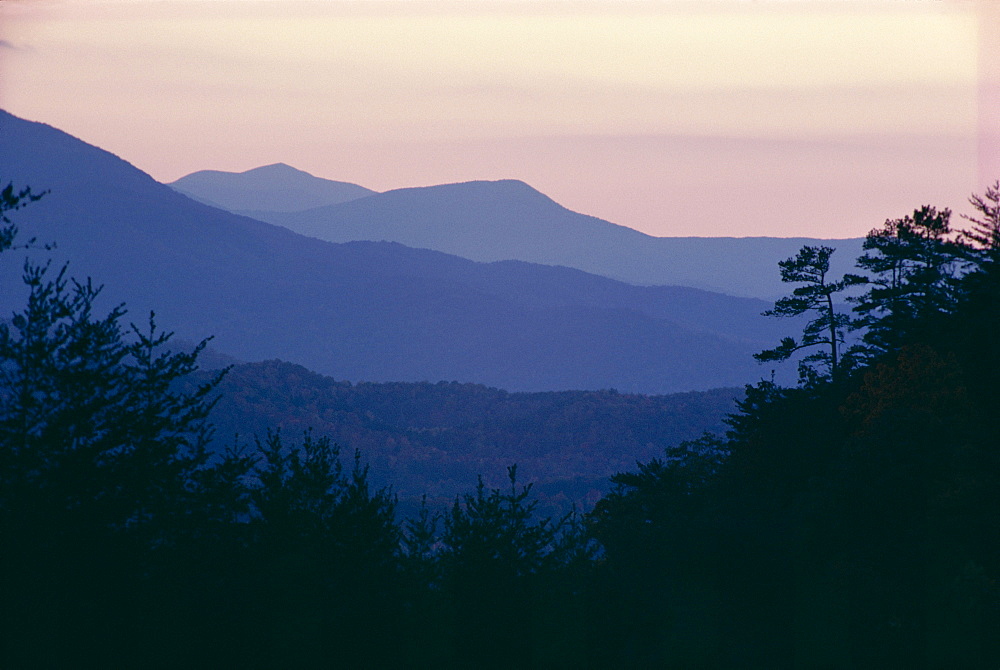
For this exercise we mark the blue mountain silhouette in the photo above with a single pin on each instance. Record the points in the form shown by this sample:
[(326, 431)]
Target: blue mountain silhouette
[(375, 311)]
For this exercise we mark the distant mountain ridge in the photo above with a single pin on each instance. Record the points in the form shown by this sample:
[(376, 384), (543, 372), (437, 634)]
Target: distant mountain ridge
[(277, 187), (509, 220), (363, 311)]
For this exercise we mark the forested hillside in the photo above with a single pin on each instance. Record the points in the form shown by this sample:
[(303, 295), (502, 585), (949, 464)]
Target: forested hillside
[(435, 439)]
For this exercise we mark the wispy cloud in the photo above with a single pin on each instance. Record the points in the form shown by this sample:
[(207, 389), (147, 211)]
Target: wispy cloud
[(7, 45)]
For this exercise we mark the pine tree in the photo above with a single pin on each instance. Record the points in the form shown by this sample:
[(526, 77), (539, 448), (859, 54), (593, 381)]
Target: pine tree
[(494, 551), (10, 201), (985, 233), (811, 267), (913, 268), (327, 549), (103, 470)]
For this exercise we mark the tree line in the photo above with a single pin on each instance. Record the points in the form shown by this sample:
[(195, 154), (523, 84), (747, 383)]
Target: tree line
[(849, 521)]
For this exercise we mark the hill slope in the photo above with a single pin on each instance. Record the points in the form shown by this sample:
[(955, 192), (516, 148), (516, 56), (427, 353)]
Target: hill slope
[(436, 438), (363, 311), (504, 220)]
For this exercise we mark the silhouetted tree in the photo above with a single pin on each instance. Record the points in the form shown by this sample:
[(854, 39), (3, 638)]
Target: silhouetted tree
[(657, 529), (810, 267), (420, 549), (913, 268), (10, 201), (836, 525), (985, 233), (103, 470), (327, 548), (494, 554)]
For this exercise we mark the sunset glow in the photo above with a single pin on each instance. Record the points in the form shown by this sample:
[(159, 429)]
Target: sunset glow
[(637, 112)]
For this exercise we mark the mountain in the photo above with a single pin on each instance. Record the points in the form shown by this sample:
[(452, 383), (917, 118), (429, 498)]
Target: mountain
[(509, 220), (363, 310), (278, 187)]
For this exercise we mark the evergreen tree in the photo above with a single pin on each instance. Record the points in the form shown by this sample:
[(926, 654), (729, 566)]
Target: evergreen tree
[(326, 551), (103, 471), (843, 525), (92, 433), (913, 266), (810, 267), (496, 558), (10, 201), (985, 233)]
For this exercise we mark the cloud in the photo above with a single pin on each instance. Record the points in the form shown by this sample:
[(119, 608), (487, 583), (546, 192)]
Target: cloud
[(6, 45)]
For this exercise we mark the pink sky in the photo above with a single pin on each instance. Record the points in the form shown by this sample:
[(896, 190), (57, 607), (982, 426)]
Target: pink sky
[(675, 118)]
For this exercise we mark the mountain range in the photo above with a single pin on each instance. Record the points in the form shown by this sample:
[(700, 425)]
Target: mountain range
[(372, 311), (507, 220)]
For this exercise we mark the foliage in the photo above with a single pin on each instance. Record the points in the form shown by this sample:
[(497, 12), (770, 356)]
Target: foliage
[(985, 232), (848, 522), (103, 466), (10, 201), (324, 547), (913, 268), (434, 439), (126, 542), (810, 268), (630, 521), (92, 433), (502, 569), (497, 531), (303, 494)]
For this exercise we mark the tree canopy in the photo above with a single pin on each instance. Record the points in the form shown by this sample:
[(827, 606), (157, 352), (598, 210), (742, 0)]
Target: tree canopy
[(849, 521)]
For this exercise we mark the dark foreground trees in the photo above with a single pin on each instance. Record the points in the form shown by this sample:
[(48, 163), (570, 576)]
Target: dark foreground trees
[(508, 577), (104, 474), (849, 522), (125, 543)]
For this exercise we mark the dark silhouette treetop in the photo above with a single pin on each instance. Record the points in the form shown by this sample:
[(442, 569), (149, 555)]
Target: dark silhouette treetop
[(11, 200), (810, 268)]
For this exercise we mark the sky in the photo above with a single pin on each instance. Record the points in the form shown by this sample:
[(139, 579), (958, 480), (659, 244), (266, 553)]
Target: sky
[(677, 117)]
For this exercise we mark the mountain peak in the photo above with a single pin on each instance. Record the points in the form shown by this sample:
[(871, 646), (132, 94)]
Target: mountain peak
[(277, 187), (374, 311), (479, 188), (277, 168), (516, 186), (505, 184), (513, 183)]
